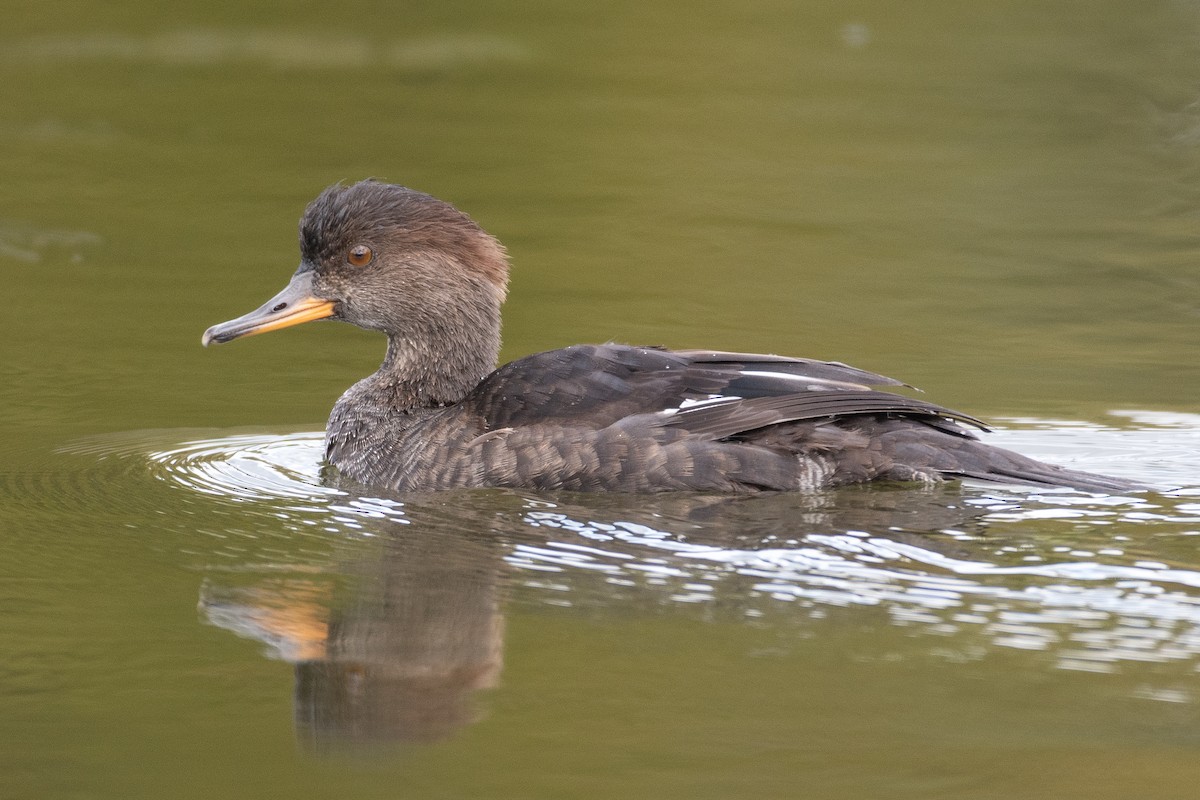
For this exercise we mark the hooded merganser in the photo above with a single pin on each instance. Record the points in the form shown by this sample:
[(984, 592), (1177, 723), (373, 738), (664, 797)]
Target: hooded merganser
[(438, 415)]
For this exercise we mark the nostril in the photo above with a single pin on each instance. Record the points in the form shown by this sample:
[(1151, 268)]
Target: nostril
[(279, 307)]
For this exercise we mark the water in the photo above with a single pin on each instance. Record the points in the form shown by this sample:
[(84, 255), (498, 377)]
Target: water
[(997, 205)]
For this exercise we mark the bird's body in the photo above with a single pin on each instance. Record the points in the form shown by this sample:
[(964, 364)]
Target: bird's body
[(589, 417)]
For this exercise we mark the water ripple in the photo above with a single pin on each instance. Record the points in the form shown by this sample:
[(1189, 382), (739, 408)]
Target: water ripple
[(250, 467), (1090, 582)]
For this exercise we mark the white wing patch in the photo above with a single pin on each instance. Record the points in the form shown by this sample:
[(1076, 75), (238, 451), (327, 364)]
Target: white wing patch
[(690, 404), (810, 383), (711, 400)]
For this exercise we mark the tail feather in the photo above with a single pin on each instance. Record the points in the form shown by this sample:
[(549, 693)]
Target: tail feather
[(970, 458), (1050, 475)]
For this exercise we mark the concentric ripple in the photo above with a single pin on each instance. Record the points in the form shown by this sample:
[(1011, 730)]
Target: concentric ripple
[(221, 466), (249, 467)]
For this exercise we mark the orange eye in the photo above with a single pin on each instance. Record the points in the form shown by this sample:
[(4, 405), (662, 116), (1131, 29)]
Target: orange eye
[(360, 255)]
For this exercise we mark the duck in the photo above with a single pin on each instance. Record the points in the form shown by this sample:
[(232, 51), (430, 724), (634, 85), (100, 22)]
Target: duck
[(438, 414)]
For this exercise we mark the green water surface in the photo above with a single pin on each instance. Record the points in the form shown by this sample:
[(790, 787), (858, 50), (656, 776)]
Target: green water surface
[(997, 202)]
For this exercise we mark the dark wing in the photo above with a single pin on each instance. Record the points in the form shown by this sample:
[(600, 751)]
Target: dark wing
[(757, 375), (597, 385), (616, 418), (729, 417)]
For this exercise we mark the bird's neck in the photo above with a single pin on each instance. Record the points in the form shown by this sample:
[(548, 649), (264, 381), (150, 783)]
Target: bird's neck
[(416, 379), (430, 371), (435, 371)]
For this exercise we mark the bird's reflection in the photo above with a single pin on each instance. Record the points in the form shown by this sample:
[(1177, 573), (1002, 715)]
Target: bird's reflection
[(392, 643), (408, 645), (389, 647)]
